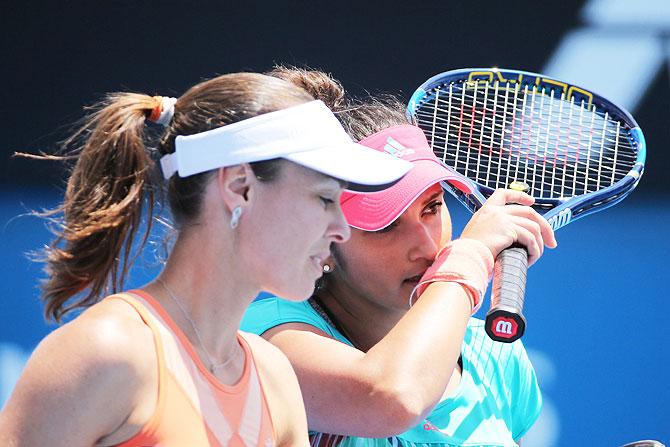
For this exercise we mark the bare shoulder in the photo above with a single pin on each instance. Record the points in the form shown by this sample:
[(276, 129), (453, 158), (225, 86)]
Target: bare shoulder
[(294, 329), (109, 334), (85, 374)]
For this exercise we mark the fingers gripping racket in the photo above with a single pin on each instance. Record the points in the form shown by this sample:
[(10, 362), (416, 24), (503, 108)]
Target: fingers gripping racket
[(575, 152)]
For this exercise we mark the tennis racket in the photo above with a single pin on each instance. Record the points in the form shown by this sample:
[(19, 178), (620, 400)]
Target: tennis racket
[(575, 152), (645, 443)]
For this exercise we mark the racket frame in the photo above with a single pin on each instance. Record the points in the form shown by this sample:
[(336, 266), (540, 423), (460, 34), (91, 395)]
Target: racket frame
[(558, 211)]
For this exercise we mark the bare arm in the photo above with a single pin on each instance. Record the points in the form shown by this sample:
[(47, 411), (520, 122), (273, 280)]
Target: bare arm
[(79, 386), (391, 387)]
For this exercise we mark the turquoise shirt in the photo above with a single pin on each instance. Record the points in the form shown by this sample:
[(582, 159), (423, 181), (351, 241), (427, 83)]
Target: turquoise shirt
[(495, 404)]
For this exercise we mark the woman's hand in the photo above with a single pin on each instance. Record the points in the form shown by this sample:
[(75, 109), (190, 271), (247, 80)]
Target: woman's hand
[(506, 218)]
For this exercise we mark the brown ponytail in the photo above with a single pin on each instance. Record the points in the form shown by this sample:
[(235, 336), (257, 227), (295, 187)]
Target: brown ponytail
[(111, 182), (103, 203)]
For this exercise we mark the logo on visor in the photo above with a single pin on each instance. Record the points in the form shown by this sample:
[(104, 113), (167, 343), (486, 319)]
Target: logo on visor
[(396, 149)]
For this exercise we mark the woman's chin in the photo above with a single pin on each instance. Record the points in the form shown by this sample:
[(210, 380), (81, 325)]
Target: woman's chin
[(294, 294)]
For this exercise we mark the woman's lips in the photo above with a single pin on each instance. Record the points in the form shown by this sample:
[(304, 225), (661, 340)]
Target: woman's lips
[(414, 280)]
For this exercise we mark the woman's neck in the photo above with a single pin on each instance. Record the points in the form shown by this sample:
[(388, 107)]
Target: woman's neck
[(362, 321), (206, 295)]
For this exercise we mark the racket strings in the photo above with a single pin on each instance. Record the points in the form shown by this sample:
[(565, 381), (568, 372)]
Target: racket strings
[(561, 177), (617, 162), (498, 132)]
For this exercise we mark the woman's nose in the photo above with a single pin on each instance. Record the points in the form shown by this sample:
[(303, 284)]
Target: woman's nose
[(425, 244), (339, 229)]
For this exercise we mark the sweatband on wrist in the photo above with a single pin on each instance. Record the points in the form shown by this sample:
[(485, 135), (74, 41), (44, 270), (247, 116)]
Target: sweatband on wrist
[(467, 262)]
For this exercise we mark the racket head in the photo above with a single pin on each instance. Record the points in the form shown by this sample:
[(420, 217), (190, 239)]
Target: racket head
[(578, 152)]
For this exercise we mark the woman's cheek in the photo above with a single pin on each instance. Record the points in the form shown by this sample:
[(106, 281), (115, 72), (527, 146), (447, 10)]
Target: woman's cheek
[(446, 226)]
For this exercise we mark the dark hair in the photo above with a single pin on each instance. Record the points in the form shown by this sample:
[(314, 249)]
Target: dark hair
[(360, 117), (113, 179)]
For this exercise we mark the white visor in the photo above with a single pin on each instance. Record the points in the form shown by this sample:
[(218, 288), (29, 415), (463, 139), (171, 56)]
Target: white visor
[(307, 134)]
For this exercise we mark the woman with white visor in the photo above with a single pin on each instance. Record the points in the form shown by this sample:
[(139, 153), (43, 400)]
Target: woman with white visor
[(254, 169)]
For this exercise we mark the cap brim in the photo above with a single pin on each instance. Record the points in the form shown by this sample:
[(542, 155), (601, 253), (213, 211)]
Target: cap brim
[(373, 212), (364, 169)]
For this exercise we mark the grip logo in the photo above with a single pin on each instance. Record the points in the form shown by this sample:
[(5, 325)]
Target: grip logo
[(504, 327), (561, 219)]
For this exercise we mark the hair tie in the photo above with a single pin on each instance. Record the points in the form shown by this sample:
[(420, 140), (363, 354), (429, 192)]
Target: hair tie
[(163, 112)]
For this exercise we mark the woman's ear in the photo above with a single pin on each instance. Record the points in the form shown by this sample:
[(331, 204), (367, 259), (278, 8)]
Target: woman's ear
[(234, 183)]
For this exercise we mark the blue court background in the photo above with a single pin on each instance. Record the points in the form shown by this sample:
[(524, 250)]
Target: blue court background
[(597, 311)]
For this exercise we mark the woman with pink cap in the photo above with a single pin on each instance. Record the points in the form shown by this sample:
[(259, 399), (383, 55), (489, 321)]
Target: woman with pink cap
[(385, 350)]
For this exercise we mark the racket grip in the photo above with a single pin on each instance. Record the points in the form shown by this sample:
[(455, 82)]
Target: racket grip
[(505, 321)]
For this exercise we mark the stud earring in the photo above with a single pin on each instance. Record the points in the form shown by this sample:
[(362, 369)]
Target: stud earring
[(327, 268), (235, 218)]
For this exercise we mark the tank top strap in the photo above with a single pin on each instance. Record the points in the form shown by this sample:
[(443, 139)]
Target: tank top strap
[(154, 422), (231, 412), (181, 366), (256, 420)]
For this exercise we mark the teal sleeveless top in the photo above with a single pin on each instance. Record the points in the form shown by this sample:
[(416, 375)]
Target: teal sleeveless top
[(496, 403)]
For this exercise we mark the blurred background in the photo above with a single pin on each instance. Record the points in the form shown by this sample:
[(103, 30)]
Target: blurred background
[(596, 306)]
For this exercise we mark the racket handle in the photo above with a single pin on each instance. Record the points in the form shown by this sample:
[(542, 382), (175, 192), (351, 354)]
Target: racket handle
[(505, 322)]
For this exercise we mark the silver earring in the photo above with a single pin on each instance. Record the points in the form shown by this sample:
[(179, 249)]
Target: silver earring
[(235, 218), (327, 268)]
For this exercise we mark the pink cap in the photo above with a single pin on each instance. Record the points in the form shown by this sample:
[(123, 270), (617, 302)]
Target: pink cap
[(374, 211)]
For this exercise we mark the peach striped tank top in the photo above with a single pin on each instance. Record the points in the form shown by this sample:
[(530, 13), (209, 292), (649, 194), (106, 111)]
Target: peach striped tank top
[(194, 409)]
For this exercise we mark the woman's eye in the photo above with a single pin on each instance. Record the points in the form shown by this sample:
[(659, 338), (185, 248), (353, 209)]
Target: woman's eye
[(326, 201), (434, 208)]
